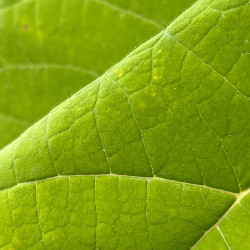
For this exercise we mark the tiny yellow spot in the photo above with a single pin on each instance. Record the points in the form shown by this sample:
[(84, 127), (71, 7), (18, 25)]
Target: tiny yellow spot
[(16, 241), (165, 57), (54, 237), (143, 105), (162, 60), (120, 74)]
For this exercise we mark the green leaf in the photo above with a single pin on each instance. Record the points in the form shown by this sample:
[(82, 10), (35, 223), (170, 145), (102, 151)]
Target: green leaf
[(51, 49), (152, 155)]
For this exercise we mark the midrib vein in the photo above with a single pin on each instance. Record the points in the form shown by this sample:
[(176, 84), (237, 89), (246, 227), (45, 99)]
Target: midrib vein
[(130, 177), (239, 197)]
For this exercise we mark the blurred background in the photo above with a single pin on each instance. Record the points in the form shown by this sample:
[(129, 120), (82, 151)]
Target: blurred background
[(49, 49)]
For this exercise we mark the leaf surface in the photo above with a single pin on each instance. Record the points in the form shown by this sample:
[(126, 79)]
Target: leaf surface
[(51, 49), (152, 155)]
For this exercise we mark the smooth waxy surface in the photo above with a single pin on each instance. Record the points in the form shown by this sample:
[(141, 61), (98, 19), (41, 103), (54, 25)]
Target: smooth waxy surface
[(51, 49), (152, 155)]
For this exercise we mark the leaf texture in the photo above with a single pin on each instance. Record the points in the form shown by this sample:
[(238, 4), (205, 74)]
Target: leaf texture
[(152, 155), (51, 49)]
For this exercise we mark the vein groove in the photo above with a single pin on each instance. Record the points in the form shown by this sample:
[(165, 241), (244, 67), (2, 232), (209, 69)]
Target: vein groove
[(38, 217), (109, 5), (190, 51), (132, 177), (222, 235), (14, 119), (129, 12), (140, 130), (240, 196), (48, 66)]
